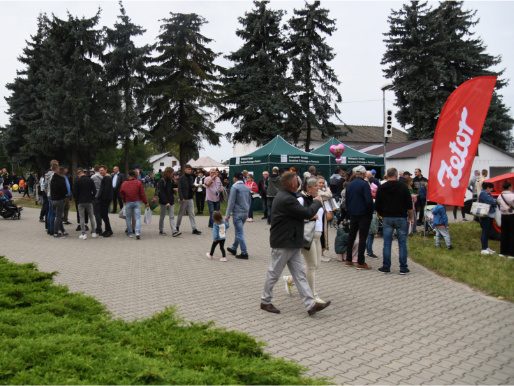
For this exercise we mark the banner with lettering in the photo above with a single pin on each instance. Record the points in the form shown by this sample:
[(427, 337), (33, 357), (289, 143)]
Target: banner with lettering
[(456, 139)]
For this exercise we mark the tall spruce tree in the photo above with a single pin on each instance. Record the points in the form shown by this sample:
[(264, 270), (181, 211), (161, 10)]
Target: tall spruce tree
[(125, 74), (315, 81), (430, 52), (259, 100), (183, 90), (20, 135)]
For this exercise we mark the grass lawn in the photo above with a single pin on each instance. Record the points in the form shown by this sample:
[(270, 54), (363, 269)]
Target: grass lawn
[(51, 336), (464, 263)]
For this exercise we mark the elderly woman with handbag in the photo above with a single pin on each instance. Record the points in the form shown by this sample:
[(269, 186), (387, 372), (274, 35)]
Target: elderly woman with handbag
[(487, 222), (311, 254), (506, 203)]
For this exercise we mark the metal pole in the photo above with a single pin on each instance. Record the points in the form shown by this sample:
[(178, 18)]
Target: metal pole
[(383, 126)]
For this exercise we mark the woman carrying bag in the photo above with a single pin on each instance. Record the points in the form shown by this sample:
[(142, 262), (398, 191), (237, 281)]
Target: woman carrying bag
[(506, 203), (312, 254), (487, 222)]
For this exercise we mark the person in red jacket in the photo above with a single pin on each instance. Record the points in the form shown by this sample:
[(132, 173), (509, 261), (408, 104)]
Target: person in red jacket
[(132, 193)]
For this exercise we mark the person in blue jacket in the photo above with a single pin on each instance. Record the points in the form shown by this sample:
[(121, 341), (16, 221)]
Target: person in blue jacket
[(487, 222), (219, 235), (441, 226)]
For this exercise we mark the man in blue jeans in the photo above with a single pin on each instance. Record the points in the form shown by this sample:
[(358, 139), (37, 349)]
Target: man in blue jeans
[(394, 203), (239, 202)]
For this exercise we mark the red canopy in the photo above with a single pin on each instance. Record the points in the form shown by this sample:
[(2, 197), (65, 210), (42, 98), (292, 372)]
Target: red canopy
[(499, 180)]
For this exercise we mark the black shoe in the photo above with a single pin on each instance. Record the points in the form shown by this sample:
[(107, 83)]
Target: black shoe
[(263, 218), (87, 228), (405, 271), (231, 251), (384, 270), (449, 247), (372, 255), (243, 256), (177, 233), (78, 228), (107, 234), (59, 236), (162, 233), (270, 308), (196, 232), (50, 232), (318, 307)]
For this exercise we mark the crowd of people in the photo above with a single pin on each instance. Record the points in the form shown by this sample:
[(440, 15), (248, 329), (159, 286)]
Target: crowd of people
[(299, 209)]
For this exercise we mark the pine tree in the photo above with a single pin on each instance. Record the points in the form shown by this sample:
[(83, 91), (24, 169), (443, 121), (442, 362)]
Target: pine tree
[(183, 90), (125, 74), (315, 80), (259, 100), (430, 52)]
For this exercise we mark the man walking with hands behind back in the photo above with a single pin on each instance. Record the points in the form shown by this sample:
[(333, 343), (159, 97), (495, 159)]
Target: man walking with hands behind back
[(286, 240), (238, 205), (186, 190), (394, 204)]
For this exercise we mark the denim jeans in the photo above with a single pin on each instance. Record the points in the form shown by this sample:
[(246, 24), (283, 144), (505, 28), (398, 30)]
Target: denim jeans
[(389, 224), (213, 206), (239, 221), (369, 244), (50, 217), (133, 206), (486, 224), (44, 208), (442, 232)]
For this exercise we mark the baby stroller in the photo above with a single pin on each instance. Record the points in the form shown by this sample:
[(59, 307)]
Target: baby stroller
[(8, 210), (429, 221)]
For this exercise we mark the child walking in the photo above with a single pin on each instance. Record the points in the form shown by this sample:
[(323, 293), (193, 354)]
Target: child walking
[(441, 226), (219, 234)]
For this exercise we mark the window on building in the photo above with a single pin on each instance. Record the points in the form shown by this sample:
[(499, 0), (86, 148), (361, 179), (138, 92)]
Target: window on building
[(162, 164), (174, 163)]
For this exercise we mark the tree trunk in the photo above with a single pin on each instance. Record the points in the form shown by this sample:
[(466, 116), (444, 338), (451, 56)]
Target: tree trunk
[(126, 147), (74, 162), (308, 137)]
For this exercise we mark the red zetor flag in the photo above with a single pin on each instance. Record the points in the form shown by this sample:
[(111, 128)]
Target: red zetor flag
[(456, 140)]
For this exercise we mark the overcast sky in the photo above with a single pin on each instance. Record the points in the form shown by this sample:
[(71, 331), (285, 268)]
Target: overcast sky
[(358, 42)]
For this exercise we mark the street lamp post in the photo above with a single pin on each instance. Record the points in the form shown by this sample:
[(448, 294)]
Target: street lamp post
[(386, 86)]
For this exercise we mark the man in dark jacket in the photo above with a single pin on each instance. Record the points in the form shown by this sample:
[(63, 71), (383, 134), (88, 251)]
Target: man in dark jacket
[(166, 188), (359, 205), (394, 203), (59, 191), (117, 180), (263, 187), (286, 240), (84, 191), (186, 191), (105, 197)]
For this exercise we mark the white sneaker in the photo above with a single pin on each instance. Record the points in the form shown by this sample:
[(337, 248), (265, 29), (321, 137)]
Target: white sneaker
[(83, 236), (209, 255), (318, 300), (288, 284), (326, 259), (491, 251), (94, 235), (501, 255), (485, 252), (510, 257)]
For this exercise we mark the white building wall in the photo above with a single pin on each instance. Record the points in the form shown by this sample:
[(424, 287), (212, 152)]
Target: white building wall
[(168, 162)]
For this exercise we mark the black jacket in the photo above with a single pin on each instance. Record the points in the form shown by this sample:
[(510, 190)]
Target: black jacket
[(393, 199), (106, 190), (84, 190), (58, 189), (166, 191), (287, 219), (186, 183), (119, 181)]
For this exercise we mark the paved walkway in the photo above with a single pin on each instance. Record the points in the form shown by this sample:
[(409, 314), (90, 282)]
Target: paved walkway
[(380, 329)]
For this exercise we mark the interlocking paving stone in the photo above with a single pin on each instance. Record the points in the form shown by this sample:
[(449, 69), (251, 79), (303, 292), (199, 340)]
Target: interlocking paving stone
[(380, 329)]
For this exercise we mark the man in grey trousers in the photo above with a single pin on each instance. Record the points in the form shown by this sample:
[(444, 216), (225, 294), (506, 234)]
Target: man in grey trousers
[(286, 240)]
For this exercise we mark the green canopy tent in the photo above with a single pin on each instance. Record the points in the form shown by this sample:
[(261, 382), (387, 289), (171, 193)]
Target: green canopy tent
[(278, 152), (350, 158)]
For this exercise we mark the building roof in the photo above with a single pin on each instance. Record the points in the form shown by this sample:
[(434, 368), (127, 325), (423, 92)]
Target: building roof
[(360, 133), (157, 157), (408, 149), (205, 163)]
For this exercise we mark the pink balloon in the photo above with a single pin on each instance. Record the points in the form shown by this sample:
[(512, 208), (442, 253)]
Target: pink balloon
[(337, 150)]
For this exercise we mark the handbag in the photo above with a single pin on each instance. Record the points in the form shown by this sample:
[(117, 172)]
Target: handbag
[(148, 216), (308, 233), (479, 209), (122, 213)]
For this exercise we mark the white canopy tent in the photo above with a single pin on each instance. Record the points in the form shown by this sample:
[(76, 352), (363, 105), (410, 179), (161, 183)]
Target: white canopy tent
[(206, 163)]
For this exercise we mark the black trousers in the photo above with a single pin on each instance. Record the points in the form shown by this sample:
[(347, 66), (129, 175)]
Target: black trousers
[(116, 200), (104, 214), (98, 217), (507, 236), (358, 224), (200, 201), (222, 247), (421, 205), (455, 208)]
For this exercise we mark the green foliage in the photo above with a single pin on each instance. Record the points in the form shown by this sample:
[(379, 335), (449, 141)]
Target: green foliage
[(259, 98), (51, 336), (315, 81), (183, 86), (125, 71), (429, 53), (491, 274), (138, 154)]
